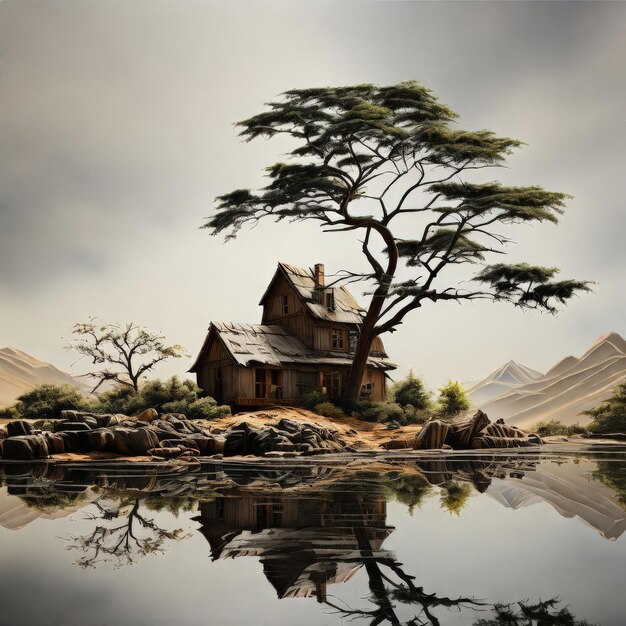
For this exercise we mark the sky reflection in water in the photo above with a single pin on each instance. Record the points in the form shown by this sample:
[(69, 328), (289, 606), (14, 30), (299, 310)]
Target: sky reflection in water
[(435, 541)]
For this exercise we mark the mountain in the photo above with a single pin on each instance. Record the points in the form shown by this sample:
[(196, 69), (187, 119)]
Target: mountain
[(508, 377), (20, 372), (573, 385)]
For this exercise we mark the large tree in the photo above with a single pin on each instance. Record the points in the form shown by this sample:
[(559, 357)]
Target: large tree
[(388, 163)]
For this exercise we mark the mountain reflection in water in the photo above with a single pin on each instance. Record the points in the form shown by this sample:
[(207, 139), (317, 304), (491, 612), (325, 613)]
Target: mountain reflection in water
[(313, 526)]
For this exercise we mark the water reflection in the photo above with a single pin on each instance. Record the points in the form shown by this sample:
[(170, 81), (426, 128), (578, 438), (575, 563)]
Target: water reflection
[(312, 527)]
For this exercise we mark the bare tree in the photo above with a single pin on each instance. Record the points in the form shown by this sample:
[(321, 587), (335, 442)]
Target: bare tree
[(129, 535), (126, 351)]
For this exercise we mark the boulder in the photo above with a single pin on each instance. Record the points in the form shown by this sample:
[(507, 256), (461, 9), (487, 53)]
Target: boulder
[(147, 416), (64, 426), (56, 443), (19, 427), (432, 436), (25, 448), (134, 441)]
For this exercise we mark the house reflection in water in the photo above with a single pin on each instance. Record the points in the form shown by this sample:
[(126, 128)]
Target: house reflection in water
[(303, 543)]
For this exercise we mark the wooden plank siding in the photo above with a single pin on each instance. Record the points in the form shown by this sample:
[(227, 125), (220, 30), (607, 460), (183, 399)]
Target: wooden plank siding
[(226, 367)]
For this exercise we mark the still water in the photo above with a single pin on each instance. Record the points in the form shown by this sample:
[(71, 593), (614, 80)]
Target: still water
[(440, 540)]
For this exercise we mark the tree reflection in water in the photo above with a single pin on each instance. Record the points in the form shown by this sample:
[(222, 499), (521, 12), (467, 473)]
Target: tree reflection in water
[(310, 526), (135, 535)]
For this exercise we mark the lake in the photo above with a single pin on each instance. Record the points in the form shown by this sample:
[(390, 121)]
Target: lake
[(431, 539)]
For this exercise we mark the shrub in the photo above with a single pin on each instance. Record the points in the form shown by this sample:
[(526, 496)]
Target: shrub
[(610, 416), (554, 427), (454, 496), (312, 398), (453, 400), (411, 391), (47, 402), (417, 416), (166, 396), (381, 412), (328, 409), (203, 408)]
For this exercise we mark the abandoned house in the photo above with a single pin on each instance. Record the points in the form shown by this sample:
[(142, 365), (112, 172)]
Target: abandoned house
[(305, 342)]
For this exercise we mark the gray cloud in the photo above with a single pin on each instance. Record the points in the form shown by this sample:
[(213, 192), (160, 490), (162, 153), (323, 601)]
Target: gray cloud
[(116, 133)]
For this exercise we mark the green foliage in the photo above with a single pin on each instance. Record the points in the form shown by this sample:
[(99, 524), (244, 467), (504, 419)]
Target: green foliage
[(454, 496), (328, 409), (610, 416), (529, 286), (410, 391), (613, 475), (555, 427), (168, 396), (47, 402), (380, 412), (453, 400), (409, 489), (312, 398)]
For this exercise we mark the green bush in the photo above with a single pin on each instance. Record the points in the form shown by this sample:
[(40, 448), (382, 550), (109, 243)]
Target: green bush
[(166, 396), (47, 402), (610, 416), (410, 391), (453, 400), (554, 427), (328, 409), (203, 408), (417, 416), (381, 412), (312, 398)]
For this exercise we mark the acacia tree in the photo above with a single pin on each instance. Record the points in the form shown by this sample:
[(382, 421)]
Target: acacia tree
[(387, 163), (127, 351)]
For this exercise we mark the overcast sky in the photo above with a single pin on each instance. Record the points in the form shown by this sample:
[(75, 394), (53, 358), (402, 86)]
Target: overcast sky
[(116, 133)]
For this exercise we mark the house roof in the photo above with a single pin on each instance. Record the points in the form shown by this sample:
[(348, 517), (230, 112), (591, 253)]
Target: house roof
[(274, 345), (347, 310)]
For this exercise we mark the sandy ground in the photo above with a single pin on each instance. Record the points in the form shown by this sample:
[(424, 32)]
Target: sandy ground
[(355, 432)]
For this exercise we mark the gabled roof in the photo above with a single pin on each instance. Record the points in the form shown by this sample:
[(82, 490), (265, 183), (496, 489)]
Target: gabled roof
[(347, 310), (273, 345)]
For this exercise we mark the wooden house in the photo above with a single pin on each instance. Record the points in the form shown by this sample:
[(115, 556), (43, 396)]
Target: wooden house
[(305, 342), (304, 543)]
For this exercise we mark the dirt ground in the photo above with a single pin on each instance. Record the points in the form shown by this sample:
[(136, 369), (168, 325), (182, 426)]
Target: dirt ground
[(355, 432)]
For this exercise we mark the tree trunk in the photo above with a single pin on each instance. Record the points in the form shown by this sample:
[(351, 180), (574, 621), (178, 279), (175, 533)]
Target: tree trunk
[(352, 390)]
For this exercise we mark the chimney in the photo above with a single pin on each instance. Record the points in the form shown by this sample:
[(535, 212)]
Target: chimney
[(319, 275)]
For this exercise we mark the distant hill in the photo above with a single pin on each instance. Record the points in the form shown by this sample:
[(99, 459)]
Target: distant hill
[(20, 372), (573, 385), (508, 377)]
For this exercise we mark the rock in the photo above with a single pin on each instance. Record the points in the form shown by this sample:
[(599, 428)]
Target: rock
[(217, 456), (535, 439), (63, 426), (56, 443), (134, 441), (166, 452), (432, 436), (16, 428), (101, 439), (147, 416), (190, 444), (462, 433), (25, 448)]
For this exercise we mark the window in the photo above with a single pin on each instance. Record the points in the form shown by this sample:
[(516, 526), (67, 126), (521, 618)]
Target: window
[(268, 383), (367, 391), (330, 300), (337, 339), (285, 304)]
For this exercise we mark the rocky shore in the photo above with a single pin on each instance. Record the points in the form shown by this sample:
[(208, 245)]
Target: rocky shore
[(172, 435)]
